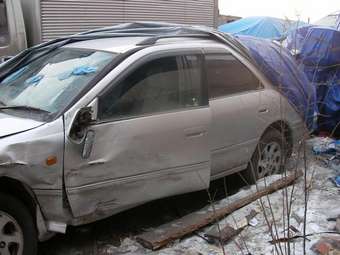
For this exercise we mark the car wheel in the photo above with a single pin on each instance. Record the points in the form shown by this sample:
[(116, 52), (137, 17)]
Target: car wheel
[(269, 157), (18, 235)]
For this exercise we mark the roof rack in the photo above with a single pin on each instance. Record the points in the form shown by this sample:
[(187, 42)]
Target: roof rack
[(153, 40)]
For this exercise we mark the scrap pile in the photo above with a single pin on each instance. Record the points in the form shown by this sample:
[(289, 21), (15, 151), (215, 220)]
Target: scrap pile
[(328, 151)]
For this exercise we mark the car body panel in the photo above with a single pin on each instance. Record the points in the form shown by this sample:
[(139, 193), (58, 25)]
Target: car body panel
[(235, 130), (12, 125), (139, 160), (23, 157)]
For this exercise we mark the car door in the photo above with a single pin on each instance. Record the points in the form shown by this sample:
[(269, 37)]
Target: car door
[(235, 102), (151, 138)]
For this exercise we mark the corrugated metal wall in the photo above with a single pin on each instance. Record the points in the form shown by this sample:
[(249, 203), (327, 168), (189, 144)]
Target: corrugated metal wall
[(65, 17)]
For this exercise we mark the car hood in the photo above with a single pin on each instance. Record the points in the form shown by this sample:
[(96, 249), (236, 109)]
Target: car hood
[(10, 125)]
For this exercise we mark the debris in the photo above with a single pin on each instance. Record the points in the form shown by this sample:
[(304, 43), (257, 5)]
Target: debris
[(295, 234), (325, 146), (335, 165), (169, 232), (294, 229), (336, 181), (226, 234), (253, 222), (251, 215), (322, 248), (327, 246), (284, 239)]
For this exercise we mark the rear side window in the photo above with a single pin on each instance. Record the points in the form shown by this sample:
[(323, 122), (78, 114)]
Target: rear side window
[(4, 33), (161, 85), (226, 76)]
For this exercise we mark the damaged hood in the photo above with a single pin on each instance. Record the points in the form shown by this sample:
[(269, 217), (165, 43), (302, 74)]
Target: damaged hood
[(11, 125)]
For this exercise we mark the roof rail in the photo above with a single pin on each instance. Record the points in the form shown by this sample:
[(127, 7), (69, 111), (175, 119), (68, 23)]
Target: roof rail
[(154, 39)]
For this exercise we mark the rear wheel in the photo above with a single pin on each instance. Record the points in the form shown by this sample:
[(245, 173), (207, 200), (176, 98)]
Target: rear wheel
[(269, 157), (18, 235)]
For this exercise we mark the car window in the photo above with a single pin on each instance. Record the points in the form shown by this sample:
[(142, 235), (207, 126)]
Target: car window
[(161, 85), (4, 33), (226, 75), (53, 80)]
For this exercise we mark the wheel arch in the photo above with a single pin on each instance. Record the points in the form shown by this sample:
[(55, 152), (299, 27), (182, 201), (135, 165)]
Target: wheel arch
[(19, 190), (23, 193), (284, 128)]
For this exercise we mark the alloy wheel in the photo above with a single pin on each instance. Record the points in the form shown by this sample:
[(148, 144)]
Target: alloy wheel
[(11, 235), (270, 160)]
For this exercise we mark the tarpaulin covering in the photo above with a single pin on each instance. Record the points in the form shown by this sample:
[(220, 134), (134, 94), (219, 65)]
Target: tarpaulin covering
[(317, 51), (263, 27), (281, 69)]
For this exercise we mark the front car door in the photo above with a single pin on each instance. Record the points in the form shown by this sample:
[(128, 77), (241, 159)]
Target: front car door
[(150, 138)]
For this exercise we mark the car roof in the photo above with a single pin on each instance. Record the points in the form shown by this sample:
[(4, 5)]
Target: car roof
[(117, 44), (124, 44)]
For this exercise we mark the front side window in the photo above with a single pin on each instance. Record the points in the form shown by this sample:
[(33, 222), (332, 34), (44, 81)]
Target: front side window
[(4, 32), (226, 76), (53, 80), (161, 85)]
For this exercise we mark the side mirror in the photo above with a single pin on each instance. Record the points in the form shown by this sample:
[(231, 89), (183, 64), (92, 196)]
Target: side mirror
[(82, 121)]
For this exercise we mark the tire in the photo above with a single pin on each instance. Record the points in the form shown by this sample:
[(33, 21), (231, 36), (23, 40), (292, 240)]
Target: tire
[(18, 234), (269, 157)]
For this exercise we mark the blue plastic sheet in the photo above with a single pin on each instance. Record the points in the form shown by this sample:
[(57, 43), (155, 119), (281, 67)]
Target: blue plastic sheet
[(35, 79), (318, 53), (326, 146), (81, 70), (337, 181), (84, 70), (15, 75), (281, 69), (263, 27), (321, 47)]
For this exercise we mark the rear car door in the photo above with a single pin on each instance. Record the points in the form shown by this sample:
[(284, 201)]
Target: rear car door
[(235, 101), (151, 138)]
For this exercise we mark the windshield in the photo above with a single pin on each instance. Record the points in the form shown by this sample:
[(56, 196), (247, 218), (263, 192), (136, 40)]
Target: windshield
[(52, 81)]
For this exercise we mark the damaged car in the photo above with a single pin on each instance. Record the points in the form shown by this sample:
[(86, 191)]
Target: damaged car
[(97, 123)]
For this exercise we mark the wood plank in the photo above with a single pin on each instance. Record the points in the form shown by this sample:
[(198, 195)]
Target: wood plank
[(164, 234)]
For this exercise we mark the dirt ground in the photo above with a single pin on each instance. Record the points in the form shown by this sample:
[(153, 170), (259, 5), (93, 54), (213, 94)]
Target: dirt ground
[(115, 235)]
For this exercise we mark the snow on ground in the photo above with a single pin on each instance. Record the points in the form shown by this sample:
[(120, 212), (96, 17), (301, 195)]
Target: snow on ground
[(116, 234), (323, 203)]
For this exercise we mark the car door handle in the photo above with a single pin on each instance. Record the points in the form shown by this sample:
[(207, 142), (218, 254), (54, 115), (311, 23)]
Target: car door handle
[(263, 110), (195, 134)]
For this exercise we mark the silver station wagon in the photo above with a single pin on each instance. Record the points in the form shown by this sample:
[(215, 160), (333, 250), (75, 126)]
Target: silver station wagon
[(98, 123)]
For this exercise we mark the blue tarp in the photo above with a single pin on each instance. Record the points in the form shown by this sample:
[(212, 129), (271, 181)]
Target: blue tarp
[(263, 27), (282, 70), (318, 54)]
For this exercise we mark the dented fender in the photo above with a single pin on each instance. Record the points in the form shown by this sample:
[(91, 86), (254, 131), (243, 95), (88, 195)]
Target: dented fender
[(23, 157)]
